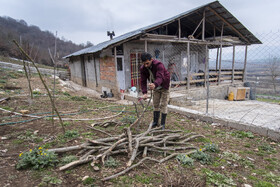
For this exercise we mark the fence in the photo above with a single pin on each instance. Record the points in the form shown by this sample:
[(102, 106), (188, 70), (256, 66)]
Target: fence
[(258, 66)]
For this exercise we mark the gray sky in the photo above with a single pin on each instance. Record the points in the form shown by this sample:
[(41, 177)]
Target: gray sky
[(88, 20)]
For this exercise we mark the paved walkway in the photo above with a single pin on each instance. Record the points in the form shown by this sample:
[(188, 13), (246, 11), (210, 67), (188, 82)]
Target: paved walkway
[(259, 117)]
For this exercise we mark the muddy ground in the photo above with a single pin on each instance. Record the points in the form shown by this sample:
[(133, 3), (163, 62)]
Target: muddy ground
[(243, 157)]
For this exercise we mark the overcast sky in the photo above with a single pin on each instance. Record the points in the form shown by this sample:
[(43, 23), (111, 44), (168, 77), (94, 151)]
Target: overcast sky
[(88, 20)]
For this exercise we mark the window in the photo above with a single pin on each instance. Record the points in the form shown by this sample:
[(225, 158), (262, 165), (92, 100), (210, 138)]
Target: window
[(119, 64), (89, 58)]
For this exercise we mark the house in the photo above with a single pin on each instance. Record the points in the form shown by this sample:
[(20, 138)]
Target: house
[(182, 43)]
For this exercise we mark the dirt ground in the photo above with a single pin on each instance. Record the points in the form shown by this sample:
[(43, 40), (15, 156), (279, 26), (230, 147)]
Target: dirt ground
[(243, 157)]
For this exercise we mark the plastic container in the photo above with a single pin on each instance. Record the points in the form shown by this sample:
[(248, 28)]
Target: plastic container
[(230, 96)]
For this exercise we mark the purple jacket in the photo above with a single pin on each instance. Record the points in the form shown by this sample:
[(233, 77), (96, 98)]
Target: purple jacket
[(161, 76)]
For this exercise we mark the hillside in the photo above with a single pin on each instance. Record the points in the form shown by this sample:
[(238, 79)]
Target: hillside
[(34, 41)]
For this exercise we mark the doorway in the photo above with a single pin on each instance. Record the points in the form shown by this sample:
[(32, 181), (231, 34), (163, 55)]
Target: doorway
[(120, 72)]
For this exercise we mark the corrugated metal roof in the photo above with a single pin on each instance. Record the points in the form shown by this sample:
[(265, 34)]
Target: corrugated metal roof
[(216, 6)]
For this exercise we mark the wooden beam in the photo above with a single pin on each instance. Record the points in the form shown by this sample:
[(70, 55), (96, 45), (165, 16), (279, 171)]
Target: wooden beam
[(228, 24), (196, 23), (197, 26), (185, 40), (245, 64), (220, 61), (214, 25)]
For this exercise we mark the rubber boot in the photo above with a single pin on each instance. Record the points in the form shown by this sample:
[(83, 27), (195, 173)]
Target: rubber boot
[(156, 118), (163, 119)]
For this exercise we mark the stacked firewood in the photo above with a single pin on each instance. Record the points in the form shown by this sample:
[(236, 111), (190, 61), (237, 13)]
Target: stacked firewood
[(144, 146)]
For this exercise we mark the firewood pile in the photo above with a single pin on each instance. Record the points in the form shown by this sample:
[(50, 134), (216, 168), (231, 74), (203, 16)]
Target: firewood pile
[(143, 146)]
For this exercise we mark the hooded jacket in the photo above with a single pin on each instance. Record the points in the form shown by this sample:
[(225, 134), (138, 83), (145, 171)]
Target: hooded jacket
[(160, 74)]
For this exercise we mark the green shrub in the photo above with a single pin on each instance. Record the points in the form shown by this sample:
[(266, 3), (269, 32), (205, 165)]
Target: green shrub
[(212, 148), (185, 159), (202, 157), (37, 158)]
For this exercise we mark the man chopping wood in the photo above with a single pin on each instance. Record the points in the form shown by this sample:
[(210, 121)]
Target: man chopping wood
[(159, 81)]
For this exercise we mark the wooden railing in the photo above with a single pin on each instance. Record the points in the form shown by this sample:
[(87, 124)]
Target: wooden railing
[(213, 77)]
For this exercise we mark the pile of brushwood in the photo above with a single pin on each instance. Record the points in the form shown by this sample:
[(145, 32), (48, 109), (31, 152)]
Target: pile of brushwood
[(143, 145)]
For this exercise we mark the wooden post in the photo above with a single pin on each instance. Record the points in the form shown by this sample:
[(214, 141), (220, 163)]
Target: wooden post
[(220, 61), (188, 67), (203, 26), (205, 67), (233, 62), (214, 32), (217, 59), (245, 64), (116, 69), (179, 28), (137, 82), (146, 45), (207, 77), (95, 72)]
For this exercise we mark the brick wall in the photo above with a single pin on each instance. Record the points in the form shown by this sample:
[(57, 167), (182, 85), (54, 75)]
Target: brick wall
[(107, 69)]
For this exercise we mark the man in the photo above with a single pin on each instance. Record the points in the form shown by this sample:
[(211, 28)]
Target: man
[(159, 78)]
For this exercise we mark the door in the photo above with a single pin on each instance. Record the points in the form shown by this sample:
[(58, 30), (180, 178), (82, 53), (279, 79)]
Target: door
[(120, 72)]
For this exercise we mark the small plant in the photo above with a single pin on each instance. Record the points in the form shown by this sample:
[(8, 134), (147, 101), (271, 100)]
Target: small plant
[(66, 93), (66, 123), (242, 134), (71, 134), (144, 179), (218, 179), (185, 159), (50, 180), (212, 148), (202, 157), (111, 163), (36, 92), (67, 159), (264, 184), (266, 148), (37, 158), (128, 119), (88, 181), (231, 156), (272, 177)]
